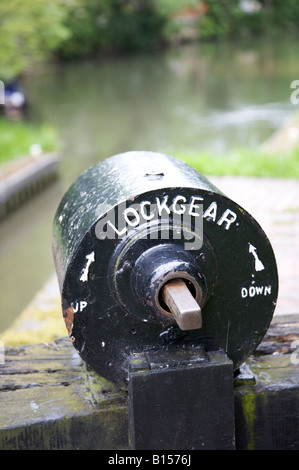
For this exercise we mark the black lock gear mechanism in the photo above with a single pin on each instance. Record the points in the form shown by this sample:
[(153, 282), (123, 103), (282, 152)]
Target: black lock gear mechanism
[(149, 254)]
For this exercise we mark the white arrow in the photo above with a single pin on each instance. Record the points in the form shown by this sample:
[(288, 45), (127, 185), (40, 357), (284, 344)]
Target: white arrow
[(258, 264), (90, 259)]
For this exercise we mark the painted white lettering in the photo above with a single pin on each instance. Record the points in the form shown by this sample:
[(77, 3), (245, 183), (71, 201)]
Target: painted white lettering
[(267, 290), (144, 214), (244, 292), (229, 217), (106, 227), (136, 217), (193, 206), (146, 211), (259, 290), (253, 291), (211, 212), (120, 233), (182, 207), (162, 205), (79, 306), (83, 304)]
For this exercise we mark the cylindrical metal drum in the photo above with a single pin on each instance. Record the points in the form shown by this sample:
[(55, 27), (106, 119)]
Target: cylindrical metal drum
[(149, 254)]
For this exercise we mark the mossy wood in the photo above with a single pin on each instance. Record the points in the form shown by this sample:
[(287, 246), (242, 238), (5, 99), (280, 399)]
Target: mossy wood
[(49, 400)]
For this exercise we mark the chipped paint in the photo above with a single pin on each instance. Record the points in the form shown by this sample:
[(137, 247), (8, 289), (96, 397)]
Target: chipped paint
[(68, 315)]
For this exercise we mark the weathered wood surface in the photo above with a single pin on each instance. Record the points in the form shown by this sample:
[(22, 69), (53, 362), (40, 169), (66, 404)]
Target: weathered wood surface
[(267, 391), (50, 401)]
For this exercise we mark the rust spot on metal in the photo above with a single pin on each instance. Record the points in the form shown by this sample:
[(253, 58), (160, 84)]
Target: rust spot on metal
[(68, 315)]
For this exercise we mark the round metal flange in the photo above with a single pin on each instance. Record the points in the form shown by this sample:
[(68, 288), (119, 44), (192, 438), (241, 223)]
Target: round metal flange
[(141, 265)]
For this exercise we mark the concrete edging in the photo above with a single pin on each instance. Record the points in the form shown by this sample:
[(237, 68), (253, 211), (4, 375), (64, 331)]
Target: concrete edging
[(23, 177)]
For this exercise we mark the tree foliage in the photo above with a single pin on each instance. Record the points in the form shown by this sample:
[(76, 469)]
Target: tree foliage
[(113, 26), (29, 32), (32, 30)]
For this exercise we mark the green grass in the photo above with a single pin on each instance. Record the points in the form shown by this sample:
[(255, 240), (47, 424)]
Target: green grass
[(245, 163), (16, 139)]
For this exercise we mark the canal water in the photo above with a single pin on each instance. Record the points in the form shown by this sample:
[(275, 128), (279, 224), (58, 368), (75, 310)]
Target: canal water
[(197, 97)]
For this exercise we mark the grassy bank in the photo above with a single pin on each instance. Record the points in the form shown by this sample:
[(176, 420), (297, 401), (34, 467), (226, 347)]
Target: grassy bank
[(16, 139), (245, 163)]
